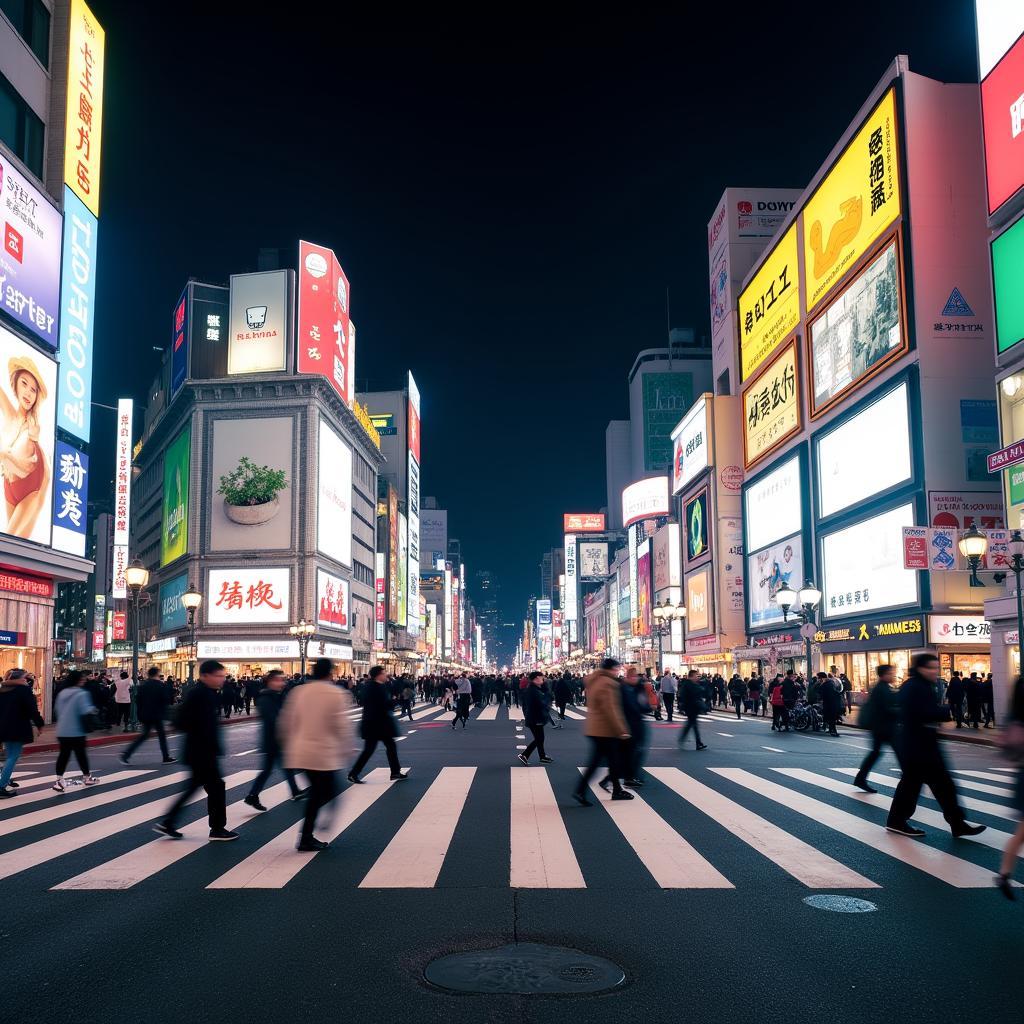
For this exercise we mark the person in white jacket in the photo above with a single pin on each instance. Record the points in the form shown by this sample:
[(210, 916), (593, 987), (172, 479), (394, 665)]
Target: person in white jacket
[(316, 737)]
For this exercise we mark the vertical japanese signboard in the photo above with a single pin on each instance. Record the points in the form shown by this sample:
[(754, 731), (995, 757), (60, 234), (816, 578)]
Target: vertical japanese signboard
[(771, 407), (179, 344), (122, 488), (380, 595), (413, 506), (174, 526), (83, 125), (325, 335), (70, 499)]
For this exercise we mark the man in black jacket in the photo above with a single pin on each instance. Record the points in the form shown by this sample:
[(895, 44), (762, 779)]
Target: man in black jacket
[(878, 714), (268, 704), (378, 726), (19, 711), (536, 712), (955, 699), (197, 719), (920, 757), (151, 704)]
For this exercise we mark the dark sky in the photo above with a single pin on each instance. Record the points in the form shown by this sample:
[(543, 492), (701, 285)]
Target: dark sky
[(509, 200)]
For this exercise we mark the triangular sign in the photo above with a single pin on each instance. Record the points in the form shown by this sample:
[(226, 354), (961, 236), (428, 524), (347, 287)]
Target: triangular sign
[(956, 305)]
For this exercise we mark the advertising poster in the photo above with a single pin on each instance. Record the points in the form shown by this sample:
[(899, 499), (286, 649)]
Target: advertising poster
[(859, 332), (70, 499), (77, 314), (179, 343), (691, 448), (403, 571), (570, 591), (730, 566), (28, 380), (251, 484), (83, 131), (1007, 273), (123, 470), (173, 614), (247, 596), (324, 329), (593, 560), (583, 522), (862, 566), (773, 505), (943, 553), (1002, 116), (769, 307), (915, 547), (961, 509), (666, 396), (258, 322), (698, 602), (667, 562), (174, 524), (334, 497), (332, 601), (854, 204), (30, 258), (696, 519), (642, 626), (380, 596), (768, 571), (393, 554), (771, 407)]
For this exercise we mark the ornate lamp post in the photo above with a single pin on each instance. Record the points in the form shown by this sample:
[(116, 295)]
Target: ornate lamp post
[(303, 632), (191, 600), (136, 577), (973, 546), (665, 614), (807, 601)]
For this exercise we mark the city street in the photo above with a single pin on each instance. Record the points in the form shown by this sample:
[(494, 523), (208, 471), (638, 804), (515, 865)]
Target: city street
[(695, 889)]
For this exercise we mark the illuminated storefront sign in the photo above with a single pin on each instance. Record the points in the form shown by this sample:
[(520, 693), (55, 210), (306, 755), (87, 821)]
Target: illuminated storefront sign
[(873, 635), (771, 407), (83, 123), (1002, 113), (237, 596), (258, 322), (646, 499), (583, 522), (123, 470)]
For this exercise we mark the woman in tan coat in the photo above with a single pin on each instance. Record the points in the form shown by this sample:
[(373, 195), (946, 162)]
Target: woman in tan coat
[(316, 737), (606, 727)]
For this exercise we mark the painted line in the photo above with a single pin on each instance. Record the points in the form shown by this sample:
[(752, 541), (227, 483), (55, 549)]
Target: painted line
[(968, 803), (515, 714), (47, 780), (946, 868), (61, 807), (429, 712), (542, 856), (22, 775), (774, 750), (276, 863), (573, 713), (925, 815), (489, 713), (801, 860), (413, 858), (411, 731), (398, 739), (242, 753), (991, 776), (145, 861), (729, 734), (521, 746), (671, 860), (74, 839)]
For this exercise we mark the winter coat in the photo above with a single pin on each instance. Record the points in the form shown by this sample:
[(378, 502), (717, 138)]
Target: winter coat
[(151, 701), (831, 697), (70, 708), (18, 713), (268, 704), (377, 722), (604, 705), (536, 705), (879, 711), (313, 727), (197, 719)]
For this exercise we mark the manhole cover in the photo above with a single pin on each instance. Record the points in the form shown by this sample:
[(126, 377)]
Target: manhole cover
[(524, 968), (840, 904)]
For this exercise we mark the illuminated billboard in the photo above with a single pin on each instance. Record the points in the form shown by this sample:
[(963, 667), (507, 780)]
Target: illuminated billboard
[(334, 497), (691, 446), (771, 407), (583, 522), (1002, 115), (174, 525), (258, 322), (645, 499), (323, 334), (83, 121), (1007, 275), (772, 505)]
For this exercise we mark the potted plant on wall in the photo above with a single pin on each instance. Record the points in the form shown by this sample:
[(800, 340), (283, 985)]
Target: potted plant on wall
[(250, 492)]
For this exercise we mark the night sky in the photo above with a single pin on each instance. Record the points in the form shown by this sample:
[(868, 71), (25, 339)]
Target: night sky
[(509, 202)]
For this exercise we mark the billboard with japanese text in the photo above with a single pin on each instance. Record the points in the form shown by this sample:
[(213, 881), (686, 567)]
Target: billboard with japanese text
[(174, 521), (70, 499), (324, 338), (247, 596)]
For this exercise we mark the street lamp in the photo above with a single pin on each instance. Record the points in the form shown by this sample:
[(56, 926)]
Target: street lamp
[(806, 602), (136, 577), (973, 546), (665, 613), (191, 600), (302, 632)]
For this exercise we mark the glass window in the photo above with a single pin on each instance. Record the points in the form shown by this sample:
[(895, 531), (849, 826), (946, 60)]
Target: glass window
[(20, 129), (31, 20)]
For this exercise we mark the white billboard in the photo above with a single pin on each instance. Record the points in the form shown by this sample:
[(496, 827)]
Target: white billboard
[(666, 557), (247, 596), (866, 454), (258, 323), (123, 470), (334, 497), (1000, 24), (572, 601), (771, 569), (645, 499), (862, 566), (773, 505), (691, 449), (593, 560)]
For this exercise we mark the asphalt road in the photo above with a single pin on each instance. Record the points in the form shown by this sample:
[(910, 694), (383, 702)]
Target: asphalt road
[(696, 890)]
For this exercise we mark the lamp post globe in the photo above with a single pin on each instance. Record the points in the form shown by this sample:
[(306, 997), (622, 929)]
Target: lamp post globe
[(191, 600), (136, 578)]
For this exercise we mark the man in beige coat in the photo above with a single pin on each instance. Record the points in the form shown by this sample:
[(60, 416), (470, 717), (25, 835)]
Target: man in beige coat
[(316, 737), (606, 727)]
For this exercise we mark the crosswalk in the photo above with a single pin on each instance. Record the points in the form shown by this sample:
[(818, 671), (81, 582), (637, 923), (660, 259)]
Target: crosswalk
[(705, 827)]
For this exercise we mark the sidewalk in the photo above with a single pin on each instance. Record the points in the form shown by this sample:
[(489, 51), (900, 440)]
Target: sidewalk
[(949, 731), (48, 740)]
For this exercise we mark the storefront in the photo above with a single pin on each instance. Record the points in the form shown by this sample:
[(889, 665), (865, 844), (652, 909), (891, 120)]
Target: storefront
[(859, 648), (705, 654), (769, 653), (258, 657), (26, 626), (962, 642)]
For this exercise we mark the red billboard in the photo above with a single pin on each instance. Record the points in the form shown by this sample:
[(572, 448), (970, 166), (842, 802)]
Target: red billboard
[(1002, 111), (324, 332), (583, 522)]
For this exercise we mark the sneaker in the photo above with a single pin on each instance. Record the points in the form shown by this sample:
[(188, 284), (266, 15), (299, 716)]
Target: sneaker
[(523, 758), (399, 776), (547, 760), (865, 788), (354, 779), (89, 780), (310, 845), (905, 830), (582, 800), (166, 830), (58, 786), (968, 830), (167, 760), (606, 784), (1005, 886), (621, 794), (254, 802), (633, 783), (13, 785), (123, 759), (222, 835), (702, 746)]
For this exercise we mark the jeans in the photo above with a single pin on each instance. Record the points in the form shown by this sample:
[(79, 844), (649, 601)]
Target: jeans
[(147, 728), (69, 745), (323, 788), (537, 743), (205, 775), (603, 748), (14, 749), (369, 747)]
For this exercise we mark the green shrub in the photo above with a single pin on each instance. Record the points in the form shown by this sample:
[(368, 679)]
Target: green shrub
[(249, 484)]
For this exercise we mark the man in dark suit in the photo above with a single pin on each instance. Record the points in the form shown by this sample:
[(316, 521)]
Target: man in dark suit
[(878, 714), (920, 758), (197, 719), (151, 704), (378, 725), (268, 704)]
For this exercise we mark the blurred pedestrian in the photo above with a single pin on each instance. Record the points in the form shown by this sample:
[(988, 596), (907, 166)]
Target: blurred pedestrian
[(268, 704), (669, 686), (197, 719), (563, 694), (536, 714), (317, 736), (737, 694), (830, 694), (76, 715), (378, 725), (151, 705), (19, 712), (463, 695), (1013, 747), (877, 714), (605, 727), (920, 757), (693, 705), (955, 699), (123, 701)]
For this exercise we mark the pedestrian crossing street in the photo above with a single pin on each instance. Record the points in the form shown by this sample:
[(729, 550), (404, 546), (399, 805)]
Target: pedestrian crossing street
[(699, 827), (488, 713)]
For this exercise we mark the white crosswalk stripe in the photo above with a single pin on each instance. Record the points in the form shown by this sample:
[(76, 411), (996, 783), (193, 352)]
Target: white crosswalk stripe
[(515, 714), (542, 856), (980, 787), (991, 776), (23, 798), (489, 713), (573, 713)]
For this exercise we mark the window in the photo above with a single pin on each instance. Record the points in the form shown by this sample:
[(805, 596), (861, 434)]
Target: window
[(20, 129), (31, 20)]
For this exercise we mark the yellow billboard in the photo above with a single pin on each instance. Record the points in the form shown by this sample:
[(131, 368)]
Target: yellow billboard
[(854, 204), (84, 123), (771, 407), (769, 307)]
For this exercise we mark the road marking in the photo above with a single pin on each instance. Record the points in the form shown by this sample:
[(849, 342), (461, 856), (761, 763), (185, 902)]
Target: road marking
[(411, 731), (22, 775), (413, 858), (981, 787), (429, 711), (515, 714), (242, 753), (805, 863), (489, 713), (573, 713), (398, 739), (949, 869), (48, 780), (991, 776), (74, 839), (276, 863), (729, 734), (670, 859), (145, 861), (520, 746), (62, 807), (774, 750), (542, 856)]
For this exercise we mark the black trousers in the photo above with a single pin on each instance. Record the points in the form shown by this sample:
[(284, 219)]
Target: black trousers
[(461, 709), (369, 746), (777, 713), (603, 749), (737, 703), (561, 708), (537, 743), (958, 712), (870, 759), (147, 728), (323, 788), (925, 768), (205, 775), (670, 700), (691, 723), (72, 745), (122, 714), (270, 758)]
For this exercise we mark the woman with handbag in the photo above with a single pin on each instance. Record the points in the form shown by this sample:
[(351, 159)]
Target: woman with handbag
[(75, 713), (1013, 746), (19, 712)]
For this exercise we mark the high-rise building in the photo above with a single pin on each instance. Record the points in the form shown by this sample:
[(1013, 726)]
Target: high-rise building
[(618, 466)]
